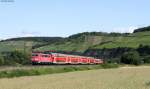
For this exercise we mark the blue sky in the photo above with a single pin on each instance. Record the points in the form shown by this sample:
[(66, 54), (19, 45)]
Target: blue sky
[(67, 17)]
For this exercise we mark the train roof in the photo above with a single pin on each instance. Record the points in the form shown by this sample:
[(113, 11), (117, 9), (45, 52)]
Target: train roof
[(60, 54)]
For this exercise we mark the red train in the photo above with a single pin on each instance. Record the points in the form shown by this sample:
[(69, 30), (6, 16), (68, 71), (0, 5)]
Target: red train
[(57, 58)]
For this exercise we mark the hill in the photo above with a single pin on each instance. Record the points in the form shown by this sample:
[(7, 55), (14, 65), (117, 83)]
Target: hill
[(80, 42), (84, 41), (131, 40), (27, 43), (36, 39), (143, 29)]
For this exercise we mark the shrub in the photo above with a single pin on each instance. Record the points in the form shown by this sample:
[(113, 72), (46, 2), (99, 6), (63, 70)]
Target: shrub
[(131, 57), (17, 57), (113, 60), (1, 60), (147, 83), (146, 59)]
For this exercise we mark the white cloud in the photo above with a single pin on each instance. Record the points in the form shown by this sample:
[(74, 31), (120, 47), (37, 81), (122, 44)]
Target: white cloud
[(131, 29), (1, 39), (125, 29), (20, 34), (29, 34)]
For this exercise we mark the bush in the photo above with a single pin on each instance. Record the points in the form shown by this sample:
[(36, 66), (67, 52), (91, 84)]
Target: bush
[(113, 60), (146, 59), (2, 60), (131, 57), (17, 58)]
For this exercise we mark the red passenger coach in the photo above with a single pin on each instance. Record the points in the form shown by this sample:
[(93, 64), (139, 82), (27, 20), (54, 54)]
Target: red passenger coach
[(57, 58)]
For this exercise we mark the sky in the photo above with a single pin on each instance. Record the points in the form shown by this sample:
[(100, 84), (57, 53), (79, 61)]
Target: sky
[(22, 18)]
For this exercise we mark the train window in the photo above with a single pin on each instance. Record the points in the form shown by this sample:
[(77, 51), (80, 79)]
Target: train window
[(47, 52), (34, 55), (45, 55)]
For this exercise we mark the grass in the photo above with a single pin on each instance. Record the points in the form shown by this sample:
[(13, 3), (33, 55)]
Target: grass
[(147, 83), (68, 46), (50, 70), (16, 45), (133, 40), (120, 78)]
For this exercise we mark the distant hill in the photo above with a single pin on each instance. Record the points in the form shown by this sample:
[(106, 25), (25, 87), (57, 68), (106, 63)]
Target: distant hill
[(98, 40), (143, 29), (80, 42), (27, 43), (84, 41), (36, 39)]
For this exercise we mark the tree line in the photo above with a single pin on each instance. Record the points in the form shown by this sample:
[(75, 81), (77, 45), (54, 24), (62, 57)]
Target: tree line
[(122, 54), (97, 34), (116, 55)]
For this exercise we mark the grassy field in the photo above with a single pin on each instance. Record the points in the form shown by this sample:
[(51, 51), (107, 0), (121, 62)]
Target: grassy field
[(121, 78), (10, 72)]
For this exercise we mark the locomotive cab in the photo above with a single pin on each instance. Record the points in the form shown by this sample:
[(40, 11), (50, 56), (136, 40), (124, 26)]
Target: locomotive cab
[(35, 58)]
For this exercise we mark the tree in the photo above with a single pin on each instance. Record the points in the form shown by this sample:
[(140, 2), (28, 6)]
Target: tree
[(1, 60), (18, 57), (144, 50), (146, 59), (131, 57)]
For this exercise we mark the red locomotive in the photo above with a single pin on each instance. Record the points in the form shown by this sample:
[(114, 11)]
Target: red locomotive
[(57, 58)]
